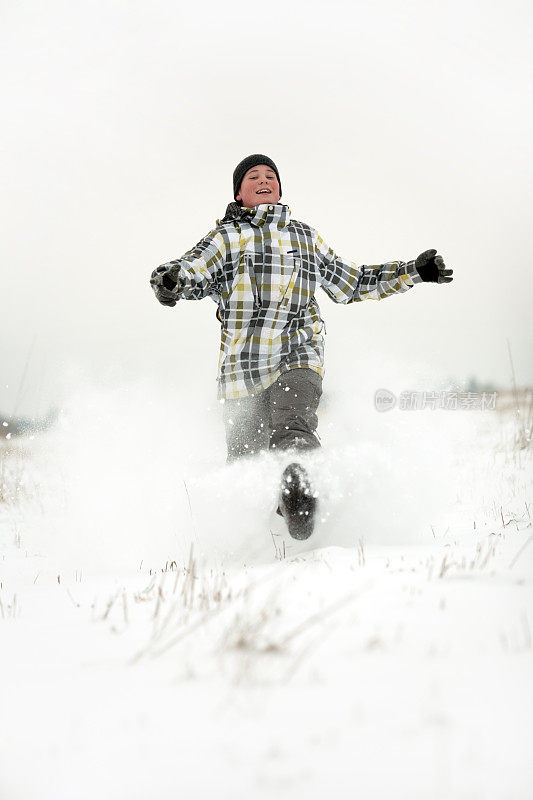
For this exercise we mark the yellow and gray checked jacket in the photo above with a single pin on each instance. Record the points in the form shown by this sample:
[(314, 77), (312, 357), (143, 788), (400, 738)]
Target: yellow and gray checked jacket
[(263, 268)]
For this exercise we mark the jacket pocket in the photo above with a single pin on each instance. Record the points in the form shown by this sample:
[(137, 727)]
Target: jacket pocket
[(253, 281), (238, 299), (286, 295)]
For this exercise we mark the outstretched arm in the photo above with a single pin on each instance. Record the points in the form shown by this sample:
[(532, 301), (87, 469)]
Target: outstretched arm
[(345, 282), (194, 275)]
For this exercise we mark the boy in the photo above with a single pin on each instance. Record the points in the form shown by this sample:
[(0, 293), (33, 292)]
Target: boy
[(263, 268)]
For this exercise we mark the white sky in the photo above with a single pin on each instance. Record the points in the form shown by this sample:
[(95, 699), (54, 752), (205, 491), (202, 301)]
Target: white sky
[(396, 126)]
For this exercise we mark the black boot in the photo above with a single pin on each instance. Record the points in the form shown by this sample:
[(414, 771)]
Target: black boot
[(298, 503)]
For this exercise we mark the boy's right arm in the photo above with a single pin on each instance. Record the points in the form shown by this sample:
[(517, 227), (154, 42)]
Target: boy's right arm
[(194, 275)]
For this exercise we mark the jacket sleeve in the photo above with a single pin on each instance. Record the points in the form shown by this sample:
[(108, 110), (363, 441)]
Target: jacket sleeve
[(197, 271), (345, 282)]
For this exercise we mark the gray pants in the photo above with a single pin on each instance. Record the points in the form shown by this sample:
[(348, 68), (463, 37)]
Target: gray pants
[(280, 417)]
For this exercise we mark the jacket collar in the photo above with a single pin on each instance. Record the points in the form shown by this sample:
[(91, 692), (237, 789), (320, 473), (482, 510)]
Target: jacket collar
[(263, 214)]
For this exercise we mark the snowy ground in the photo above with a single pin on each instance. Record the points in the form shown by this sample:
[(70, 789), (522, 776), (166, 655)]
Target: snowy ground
[(161, 636)]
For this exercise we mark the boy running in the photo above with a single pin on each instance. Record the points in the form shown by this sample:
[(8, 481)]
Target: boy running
[(263, 268)]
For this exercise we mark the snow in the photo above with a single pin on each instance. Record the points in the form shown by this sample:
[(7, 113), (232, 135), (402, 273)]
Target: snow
[(162, 636)]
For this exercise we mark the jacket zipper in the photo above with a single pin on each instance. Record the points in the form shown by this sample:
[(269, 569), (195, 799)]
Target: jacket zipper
[(287, 294), (255, 289)]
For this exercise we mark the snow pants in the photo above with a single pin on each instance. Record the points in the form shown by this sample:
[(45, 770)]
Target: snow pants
[(280, 417)]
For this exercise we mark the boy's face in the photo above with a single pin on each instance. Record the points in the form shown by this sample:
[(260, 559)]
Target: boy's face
[(259, 185)]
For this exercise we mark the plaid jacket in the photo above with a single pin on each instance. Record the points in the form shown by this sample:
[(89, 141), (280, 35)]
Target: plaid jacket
[(263, 268)]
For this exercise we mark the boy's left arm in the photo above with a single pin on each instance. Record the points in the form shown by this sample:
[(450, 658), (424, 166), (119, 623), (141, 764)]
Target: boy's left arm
[(345, 282)]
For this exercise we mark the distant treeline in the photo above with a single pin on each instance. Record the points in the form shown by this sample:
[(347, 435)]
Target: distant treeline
[(20, 426)]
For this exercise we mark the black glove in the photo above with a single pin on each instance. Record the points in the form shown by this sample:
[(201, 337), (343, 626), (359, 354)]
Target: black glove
[(431, 268), (165, 297), (164, 284), (164, 276)]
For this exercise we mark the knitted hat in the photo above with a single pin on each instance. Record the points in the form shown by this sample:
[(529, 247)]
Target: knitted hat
[(247, 163)]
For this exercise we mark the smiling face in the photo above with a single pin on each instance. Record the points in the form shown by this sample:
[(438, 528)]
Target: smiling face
[(259, 185)]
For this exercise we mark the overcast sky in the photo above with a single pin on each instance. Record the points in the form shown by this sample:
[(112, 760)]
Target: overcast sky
[(396, 126)]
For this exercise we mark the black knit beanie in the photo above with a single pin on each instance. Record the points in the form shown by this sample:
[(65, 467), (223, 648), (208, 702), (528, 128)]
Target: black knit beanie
[(247, 163)]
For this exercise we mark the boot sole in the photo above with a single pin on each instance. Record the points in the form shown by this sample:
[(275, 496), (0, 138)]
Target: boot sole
[(297, 502)]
